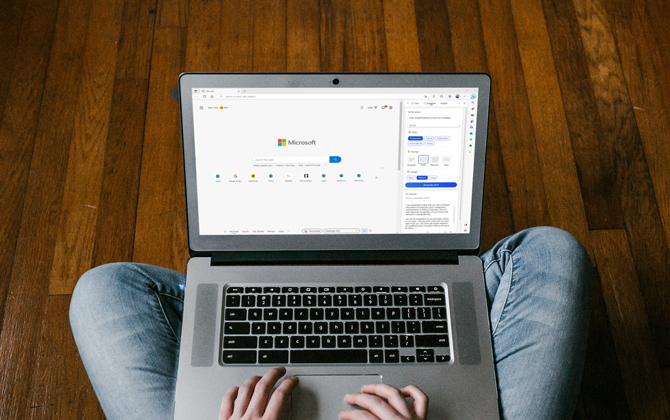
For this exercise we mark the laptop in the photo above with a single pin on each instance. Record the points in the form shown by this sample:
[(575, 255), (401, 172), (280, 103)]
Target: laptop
[(334, 225)]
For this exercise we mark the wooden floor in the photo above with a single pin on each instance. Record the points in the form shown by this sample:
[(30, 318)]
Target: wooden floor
[(92, 172)]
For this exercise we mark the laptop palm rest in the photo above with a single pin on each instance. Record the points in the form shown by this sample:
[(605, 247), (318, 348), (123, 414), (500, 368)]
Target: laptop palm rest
[(322, 396)]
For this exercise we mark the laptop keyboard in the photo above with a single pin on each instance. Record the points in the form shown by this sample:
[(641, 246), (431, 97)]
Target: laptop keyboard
[(334, 325)]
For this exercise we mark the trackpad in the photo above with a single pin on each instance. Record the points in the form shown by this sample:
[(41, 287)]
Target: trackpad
[(322, 396)]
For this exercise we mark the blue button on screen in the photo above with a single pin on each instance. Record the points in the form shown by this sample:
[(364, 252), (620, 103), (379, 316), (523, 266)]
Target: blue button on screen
[(415, 138), (430, 184), (335, 159), (422, 177)]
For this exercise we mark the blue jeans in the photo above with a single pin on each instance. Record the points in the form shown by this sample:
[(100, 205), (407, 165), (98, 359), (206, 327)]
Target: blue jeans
[(126, 321)]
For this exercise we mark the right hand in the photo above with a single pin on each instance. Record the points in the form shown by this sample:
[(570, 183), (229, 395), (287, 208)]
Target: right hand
[(384, 402)]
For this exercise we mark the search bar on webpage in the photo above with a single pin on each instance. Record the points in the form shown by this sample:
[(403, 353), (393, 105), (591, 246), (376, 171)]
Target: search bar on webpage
[(298, 159)]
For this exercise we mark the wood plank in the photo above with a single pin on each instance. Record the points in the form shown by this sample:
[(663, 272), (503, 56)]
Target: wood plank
[(630, 326), (136, 39), (593, 146), (509, 96), (39, 221), (470, 56), (11, 18), (552, 137), (203, 36), (60, 387), (160, 233), (171, 13), (641, 195), (402, 40), (18, 126), (76, 230), (303, 51), (368, 38), (432, 22), (269, 36), (236, 36), (602, 389), (336, 36)]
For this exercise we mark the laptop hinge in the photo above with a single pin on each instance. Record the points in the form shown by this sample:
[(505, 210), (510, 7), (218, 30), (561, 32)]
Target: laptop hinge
[(334, 257)]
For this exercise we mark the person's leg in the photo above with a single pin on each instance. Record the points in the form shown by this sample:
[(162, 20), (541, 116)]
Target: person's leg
[(126, 321), (539, 285)]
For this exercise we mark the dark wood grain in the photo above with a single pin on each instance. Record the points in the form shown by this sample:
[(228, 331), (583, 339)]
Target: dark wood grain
[(10, 30), (269, 35), (402, 43), (203, 36), (336, 36), (432, 23), (369, 40), (303, 49), (236, 36)]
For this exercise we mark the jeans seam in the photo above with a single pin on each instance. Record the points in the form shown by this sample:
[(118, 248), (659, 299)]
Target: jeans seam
[(167, 321), (507, 293)]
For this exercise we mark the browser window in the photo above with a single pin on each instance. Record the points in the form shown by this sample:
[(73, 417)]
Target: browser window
[(314, 161)]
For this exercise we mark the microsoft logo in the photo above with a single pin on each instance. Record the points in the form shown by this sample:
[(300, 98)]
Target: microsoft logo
[(281, 142)]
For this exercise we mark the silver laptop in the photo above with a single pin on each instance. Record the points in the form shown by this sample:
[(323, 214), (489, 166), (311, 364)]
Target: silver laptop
[(334, 224)]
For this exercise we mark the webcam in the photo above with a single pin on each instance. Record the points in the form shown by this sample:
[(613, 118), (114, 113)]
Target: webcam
[(335, 81)]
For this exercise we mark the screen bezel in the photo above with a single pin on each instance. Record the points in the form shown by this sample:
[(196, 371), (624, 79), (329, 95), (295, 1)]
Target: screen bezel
[(203, 245)]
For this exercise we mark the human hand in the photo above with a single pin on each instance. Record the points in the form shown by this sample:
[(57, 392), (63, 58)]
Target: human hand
[(250, 401), (383, 402)]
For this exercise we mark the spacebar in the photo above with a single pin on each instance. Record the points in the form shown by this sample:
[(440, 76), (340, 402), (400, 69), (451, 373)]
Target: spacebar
[(329, 356)]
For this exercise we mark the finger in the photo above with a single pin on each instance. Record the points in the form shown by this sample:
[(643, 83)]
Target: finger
[(280, 398), (244, 395), (374, 404), (263, 389), (393, 395), (420, 400), (228, 403), (357, 415)]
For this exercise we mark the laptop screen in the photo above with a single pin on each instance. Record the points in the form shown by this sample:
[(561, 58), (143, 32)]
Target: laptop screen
[(323, 161)]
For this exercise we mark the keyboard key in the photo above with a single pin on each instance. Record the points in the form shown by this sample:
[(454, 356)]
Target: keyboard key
[(340, 300), (289, 289), (417, 289), (255, 314), (290, 328), (434, 300), (439, 313), (263, 301), (325, 300), (328, 341), (355, 300), (309, 300), (375, 341), (382, 327), (336, 328), (235, 290), (264, 342), (398, 327), (278, 300), (406, 341), (310, 289), (236, 328), (408, 313), (425, 355), (347, 313), (351, 327), (345, 289), (391, 341), (304, 328), (276, 357), (329, 356), (434, 326), (391, 356), (270, 314), (370, 300), (248, 300), (423, 313), (286, 314), (313, 342), (442, 358), (363, 289), (399, 289), (385, 300), (297, 342), (400, 300), (274, 328), (232, 357), (362, 313), (432, 340), (378, 313), (381, 289), (293, 300), (316, 314), (301, 314), (367, 327), (258, 328), (407, 359), (435, 289), (413, 327), (253, 290), (360, 341), (332, 313), (281, 342), (392, 313), (343, 341), (376, 356), (271, 289), (233, 300), (327, 289), (415, 300), (320, 328), (240, 342), (236, 314)]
